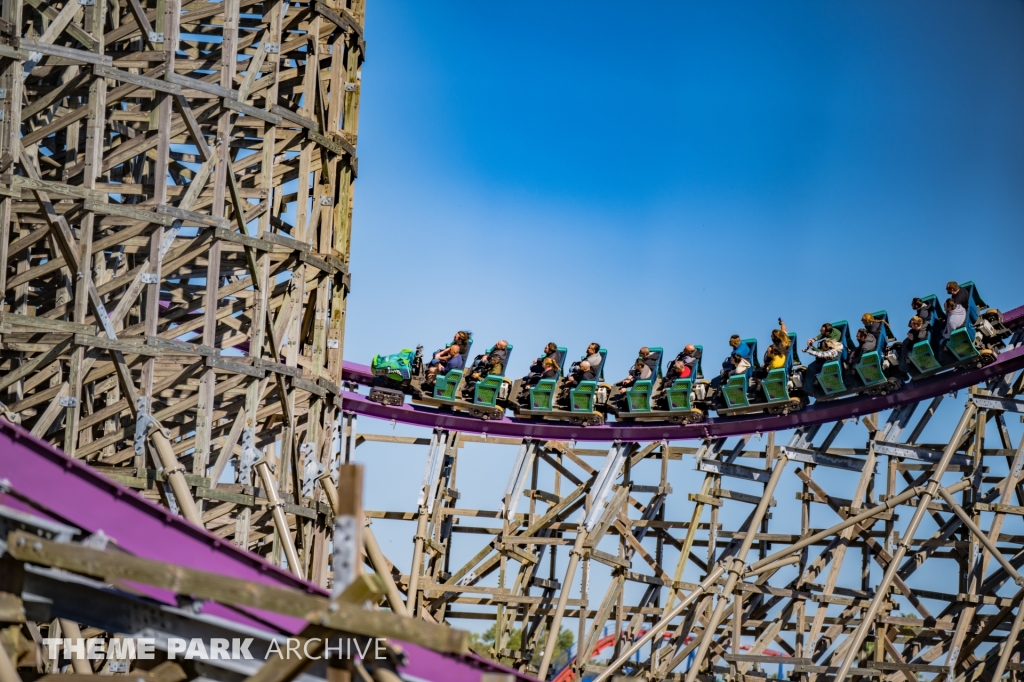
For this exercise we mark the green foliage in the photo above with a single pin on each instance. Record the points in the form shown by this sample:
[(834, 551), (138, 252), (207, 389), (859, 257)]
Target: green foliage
[(485, 645)]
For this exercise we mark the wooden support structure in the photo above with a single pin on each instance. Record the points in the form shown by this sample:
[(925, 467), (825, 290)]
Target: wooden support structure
[(176, 184), (774, 588), (176, 194)]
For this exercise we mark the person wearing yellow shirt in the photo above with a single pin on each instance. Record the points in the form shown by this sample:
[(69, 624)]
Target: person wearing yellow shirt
[(774, 358)]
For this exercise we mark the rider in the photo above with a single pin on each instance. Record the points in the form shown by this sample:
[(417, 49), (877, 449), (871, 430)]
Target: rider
[(737, 362), (922, 309), (500, 354), (866, 342), (585, 369), (961, 296), (774, 358), (442, 356), (688, 351), (650, 358), (548, 370), (918, 332), (679, 369), (594, 355), (956, 317), (580, 371), (775, 355), (827, 332), (683, 366), (483, 365), (828, 349), (639, 372), (443, 363), (741, 347), (550, 351), (873, 326), (689, 357), (780, 338)]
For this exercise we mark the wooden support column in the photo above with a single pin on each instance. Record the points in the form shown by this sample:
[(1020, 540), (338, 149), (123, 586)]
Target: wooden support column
[(925, 498), (348, 528)]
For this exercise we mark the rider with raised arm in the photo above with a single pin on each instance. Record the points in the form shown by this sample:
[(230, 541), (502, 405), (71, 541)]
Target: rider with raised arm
[(780, 338)]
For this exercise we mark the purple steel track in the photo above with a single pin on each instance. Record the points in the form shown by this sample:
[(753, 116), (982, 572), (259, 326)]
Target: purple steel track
[(42, 478), (818, 413)]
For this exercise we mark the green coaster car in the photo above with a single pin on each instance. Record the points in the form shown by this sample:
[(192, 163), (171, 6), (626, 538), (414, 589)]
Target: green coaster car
[(778, 392), (397, 367), (976, 344), (405, 373), (876, 373), (396, 375), (482, 402), (655, 399), (584, 404), (541, 396)]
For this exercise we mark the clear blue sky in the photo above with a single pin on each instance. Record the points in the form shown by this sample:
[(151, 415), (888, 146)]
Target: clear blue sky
[(665, 173), (571, 171)]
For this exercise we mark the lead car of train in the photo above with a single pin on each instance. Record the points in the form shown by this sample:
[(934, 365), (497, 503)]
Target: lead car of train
[(680, 393)]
